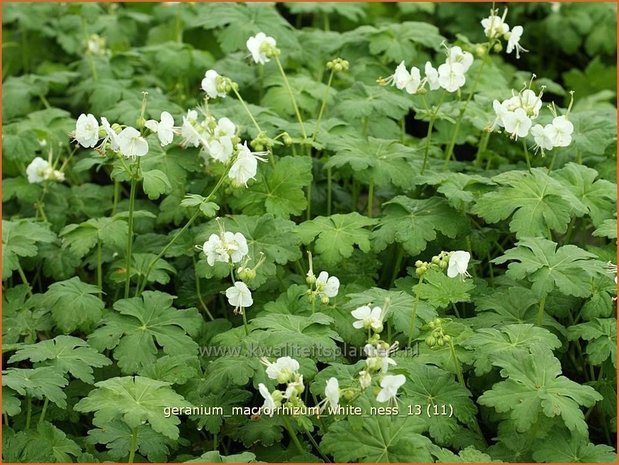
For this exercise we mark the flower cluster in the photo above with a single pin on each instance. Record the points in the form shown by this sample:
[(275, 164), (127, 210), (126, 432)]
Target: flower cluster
[(219, 140), (285, 370), (324, 287), (40, 170), (129, 142), (496, 29), (517, 114), (231, 248), (215, 85), (449, 76), (456, 263)]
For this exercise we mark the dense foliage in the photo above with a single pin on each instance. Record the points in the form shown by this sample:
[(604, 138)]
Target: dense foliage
[(400, 215)]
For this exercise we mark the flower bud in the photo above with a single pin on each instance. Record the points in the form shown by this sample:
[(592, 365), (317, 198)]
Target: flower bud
[(140, 122), (324, 299), (430, 341), (418, 263), (446, 337), (440, 341), (246, 274), (498, 47)]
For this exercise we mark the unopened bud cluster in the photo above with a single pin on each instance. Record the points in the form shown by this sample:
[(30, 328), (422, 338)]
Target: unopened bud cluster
[(338, 64), (440, 261), (437, 337)]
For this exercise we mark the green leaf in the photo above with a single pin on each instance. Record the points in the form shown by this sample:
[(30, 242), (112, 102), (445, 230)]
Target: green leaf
[(600, 197), (488, 343), (116, 436), (80, 239), (74, 304), (567, 269), (608, 228), (277, 190), (281, 332), (382, 161), (380, 438), (415, 222), (19, 239), (215, 457), (361, 101), (155, 183), (563, 446), (135, 400), (21, 318), (11, 405), (141, 324), (397, 40), (45, 444), (431, 385), (208, 209), (337, 235), (65, 353), (39, 383), (534, 387), (439, 290), (601, 337), (538, 203), (466, 455), (399, 307)]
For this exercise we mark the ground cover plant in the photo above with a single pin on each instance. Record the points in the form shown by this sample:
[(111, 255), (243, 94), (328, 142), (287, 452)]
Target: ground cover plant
[(309, 232)]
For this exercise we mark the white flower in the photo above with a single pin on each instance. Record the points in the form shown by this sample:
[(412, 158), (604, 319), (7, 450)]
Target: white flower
[(451, 76), (332, 392), (458, 262), (405, 80), (239, 295), (456, 55), (501, 111), (224, 128), (37, 170), (131, 143), (563, 131), (513, 42), (544, 136), (260, 46), (245, 166), (188, 131), (495, 26), (87, 130), (294, 387), (530, 102), (390, 385), (209, 84), (225, 247), (368, 318), (365, 379), (432, 76), (327, 286), (283, 369), (517, 123), (221, 149), (378, 358), (111, 134), (164, 129), (269, 402)]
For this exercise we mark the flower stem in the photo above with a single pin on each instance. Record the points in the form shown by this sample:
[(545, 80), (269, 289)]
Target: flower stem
[(199, 292), (99, 269), (134, 181), (133, 445), (329, 190), (294, 101), (540, 312), (22, 275), (429, 135), (452, 349), (323, 106), (116, 196), (483, 145), (370, 197), (245, 326), (43, 411), (253, 120), (177, 235), (293, 436), (452, 143), (411, 330), (526, 154), (28, 411)]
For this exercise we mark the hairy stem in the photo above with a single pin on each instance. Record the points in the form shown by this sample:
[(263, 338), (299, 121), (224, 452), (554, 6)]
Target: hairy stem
[(411, 330), (294, 101), (133, 445), (134, 181)]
